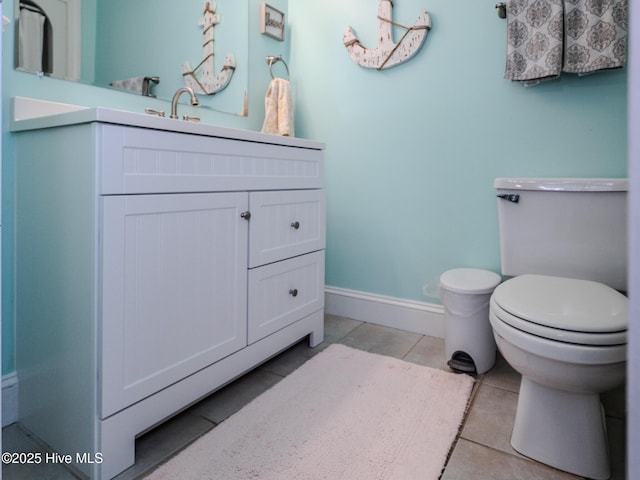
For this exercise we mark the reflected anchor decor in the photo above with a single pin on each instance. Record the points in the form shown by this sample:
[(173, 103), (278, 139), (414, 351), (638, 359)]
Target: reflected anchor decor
[(386, 53), (206, 82)]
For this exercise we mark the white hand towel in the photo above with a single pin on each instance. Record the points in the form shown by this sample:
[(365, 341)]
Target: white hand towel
[(596, 35), (278, 109), (534, 40), (31, 40)]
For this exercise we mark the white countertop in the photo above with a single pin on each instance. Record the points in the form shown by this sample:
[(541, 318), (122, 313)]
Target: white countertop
[(33, 114)]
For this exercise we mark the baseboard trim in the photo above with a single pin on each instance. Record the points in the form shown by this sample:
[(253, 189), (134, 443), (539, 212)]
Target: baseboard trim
[(9, 398), (419, 317)]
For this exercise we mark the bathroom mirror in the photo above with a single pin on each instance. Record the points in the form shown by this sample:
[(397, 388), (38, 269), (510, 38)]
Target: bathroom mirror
[(99, 42)]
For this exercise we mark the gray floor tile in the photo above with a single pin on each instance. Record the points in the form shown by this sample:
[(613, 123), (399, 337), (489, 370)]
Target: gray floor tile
[(165, 441), (471, 461), (490, 419), (292, 358), (429, 351), (336, 328), (382, 340), (16, 440), (502, 375), (236, 395)]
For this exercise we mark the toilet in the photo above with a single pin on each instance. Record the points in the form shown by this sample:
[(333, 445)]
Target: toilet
[(561, 320)]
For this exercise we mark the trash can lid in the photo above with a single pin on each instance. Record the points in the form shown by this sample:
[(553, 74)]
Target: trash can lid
[(470, 280)]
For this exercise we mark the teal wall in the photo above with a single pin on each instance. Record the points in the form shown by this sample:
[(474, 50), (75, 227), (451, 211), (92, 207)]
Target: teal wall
[(23, 84), (412, 151)]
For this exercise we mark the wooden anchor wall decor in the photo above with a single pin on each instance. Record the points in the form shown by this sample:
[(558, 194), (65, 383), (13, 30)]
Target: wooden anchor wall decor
[(386, 53), (205, 82)]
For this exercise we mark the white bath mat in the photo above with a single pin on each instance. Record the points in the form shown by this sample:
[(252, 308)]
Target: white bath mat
[(344, 414)]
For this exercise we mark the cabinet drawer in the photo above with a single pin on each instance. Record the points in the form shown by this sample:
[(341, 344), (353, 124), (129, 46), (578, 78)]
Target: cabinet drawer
[(138, 160), (284, 292), (285, 224)]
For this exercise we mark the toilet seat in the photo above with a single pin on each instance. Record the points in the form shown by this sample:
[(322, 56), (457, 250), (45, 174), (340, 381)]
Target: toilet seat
[(563, 309)]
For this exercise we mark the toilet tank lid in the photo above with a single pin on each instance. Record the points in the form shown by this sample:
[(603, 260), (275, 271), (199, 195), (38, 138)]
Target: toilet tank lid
[(564, 184)]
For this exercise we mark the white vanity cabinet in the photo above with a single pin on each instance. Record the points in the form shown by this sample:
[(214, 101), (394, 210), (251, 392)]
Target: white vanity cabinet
[(153, 267)]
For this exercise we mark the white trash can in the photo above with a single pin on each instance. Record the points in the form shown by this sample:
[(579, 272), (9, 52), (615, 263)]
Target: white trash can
[(469, 343)]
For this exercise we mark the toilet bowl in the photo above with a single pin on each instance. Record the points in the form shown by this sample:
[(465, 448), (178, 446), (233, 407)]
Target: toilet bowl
[(567, 338), (561, 321), (576, 328)]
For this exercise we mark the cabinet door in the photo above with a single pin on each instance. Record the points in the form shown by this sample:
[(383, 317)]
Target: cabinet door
[(174, 290)]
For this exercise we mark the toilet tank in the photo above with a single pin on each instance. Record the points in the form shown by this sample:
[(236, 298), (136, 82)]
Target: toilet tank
[(567, 227)]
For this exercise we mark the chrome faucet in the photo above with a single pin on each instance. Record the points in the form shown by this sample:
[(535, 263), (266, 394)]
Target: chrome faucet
[(176, 97)]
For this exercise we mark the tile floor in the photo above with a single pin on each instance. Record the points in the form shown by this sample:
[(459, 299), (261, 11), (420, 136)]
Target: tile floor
[(482, 450)]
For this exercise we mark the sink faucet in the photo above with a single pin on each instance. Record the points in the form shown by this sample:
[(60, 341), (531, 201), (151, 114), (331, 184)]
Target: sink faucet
[(176, 97)]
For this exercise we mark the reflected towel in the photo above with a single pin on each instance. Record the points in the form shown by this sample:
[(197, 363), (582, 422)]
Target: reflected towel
[(133, 84), (534, 40), (278, 109), (31, 40), (596, 35)]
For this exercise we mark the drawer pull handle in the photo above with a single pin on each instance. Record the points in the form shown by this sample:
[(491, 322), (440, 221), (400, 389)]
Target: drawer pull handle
[(295, 225), (246, 215), (293, 292)]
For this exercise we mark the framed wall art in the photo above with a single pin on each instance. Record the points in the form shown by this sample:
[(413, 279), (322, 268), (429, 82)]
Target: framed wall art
[(271, 22)]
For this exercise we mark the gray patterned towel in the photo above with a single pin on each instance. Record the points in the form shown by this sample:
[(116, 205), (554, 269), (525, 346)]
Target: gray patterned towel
[(534, 40), (596, 35), (546, 37)]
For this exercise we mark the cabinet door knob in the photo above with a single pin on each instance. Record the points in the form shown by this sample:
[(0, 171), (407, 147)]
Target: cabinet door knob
[(293, 292), (246, 215), (295, 225)]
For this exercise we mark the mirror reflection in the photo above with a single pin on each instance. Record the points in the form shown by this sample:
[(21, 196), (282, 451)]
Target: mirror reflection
[(137, 46)]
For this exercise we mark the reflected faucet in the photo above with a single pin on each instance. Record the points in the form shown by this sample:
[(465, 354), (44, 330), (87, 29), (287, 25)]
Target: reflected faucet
[(176, 97)]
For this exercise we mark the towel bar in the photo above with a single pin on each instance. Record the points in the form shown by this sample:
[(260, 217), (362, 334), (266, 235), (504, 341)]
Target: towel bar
[(272, 59)]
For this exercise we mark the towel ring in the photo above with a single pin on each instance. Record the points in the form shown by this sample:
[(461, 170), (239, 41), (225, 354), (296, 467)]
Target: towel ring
[(271, 60)]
